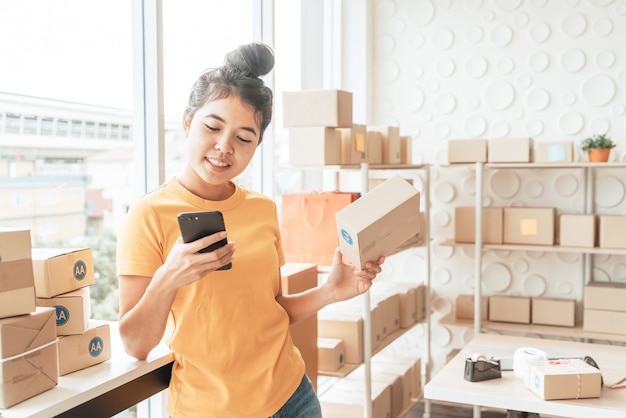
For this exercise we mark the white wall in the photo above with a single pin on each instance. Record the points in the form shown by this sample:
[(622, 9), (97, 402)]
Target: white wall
[(550, 70)]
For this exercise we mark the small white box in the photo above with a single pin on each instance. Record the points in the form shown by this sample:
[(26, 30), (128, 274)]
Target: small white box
[(509, 150)]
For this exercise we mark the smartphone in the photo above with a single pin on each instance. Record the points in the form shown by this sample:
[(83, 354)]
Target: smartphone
[(196, 225)]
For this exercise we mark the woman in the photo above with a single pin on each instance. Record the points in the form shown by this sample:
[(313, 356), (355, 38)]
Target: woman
[(228, 329)]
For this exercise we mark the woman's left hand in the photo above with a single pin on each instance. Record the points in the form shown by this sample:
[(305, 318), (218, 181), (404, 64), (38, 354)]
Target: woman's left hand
[(346, 282)]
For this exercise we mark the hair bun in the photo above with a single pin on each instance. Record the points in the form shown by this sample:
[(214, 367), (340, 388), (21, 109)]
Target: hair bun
[(254, 59)]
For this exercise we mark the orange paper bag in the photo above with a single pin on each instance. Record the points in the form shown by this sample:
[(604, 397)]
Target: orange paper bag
[(308, 226)]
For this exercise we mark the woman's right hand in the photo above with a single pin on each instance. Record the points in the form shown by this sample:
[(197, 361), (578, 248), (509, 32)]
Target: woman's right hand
[(185, 264)]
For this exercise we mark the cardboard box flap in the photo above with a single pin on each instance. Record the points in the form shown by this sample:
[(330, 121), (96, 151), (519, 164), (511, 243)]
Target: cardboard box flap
[(23, 333)]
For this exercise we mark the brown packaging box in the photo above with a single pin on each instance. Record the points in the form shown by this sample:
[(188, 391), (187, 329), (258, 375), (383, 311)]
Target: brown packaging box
[(408, 367), (531, 226), (465, 224), (464, 307), (391, 142), (73, 310), (330, 354), (609, 296), (17, 282), (350, 137), (29, 374), (407, 299), (61, 270), (344, 326), (577, 230), (379, 221), (602, 321), (554, 152), (552, 311), (612, 231), (514, 309), (80, 351), (22, 333), (406, 149), (296, 278), (509, 150), (332, 108), (467, 151), (314, 146), (346, 398), (373, 148), (384, 376), (564, 379)]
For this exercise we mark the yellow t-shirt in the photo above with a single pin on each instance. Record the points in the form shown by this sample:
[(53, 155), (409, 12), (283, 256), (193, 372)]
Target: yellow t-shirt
[(234, 356)]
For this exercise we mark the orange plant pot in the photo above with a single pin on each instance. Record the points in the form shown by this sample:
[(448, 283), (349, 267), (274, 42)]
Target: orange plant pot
[(599, 155)]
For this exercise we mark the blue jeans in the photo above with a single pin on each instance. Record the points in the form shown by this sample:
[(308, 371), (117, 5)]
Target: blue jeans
[(302, 404)]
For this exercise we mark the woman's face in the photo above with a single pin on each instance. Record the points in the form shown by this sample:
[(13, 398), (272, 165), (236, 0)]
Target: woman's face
[(223, 136)]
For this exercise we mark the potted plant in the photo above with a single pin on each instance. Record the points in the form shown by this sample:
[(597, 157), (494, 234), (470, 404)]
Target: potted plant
[(598, 147)]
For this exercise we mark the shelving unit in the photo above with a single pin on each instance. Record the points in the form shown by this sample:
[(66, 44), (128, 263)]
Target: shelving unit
[(365, 170), (588, 172)]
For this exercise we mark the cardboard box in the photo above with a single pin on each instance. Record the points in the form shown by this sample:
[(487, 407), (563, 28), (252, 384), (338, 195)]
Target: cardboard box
[(373, 148), (314, 146), (346, 398), (73, 310), (296, 278), (350, 137), (22, 333), (379, 221), (354, 307), (61, 270), (510, 150), (465, 224), (391, 142), (330, 353), (577, 230), (29, 374), (347, 327), (554, 152), (389, 304), (406, 149), (612, 231), (609, 296), (467, 151), (420, 302), (17, 282), (385, 377), (564, 379), (80, 351), (464, 307), (409, 367), (407, 299), (552, 311), (332, 108), (531, 226), (514, 309), (603, 321)]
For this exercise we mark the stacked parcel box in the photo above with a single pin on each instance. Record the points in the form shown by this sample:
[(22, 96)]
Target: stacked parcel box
[(44, 316)]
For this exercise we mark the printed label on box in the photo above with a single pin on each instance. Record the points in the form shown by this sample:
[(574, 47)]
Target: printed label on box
[(528, 227)]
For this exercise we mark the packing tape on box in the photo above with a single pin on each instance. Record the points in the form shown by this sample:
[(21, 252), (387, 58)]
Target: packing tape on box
[(523, 358)]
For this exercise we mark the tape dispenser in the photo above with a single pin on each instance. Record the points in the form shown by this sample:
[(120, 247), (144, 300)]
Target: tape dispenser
[(479, 367)]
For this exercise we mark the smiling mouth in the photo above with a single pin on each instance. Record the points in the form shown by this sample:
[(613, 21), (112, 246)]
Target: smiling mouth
[(217, 163)]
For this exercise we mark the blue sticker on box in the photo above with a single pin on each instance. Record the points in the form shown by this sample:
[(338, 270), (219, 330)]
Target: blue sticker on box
[(96, 346), (63, 315), (80, 270), (346, 236)]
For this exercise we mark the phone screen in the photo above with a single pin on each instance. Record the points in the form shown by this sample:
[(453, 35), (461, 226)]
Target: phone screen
[(196, 225)]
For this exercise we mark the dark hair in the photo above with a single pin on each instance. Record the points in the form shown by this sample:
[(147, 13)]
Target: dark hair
[(240, 74)]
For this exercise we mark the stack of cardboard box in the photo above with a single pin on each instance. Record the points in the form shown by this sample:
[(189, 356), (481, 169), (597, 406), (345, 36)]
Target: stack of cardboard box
[(322, 132), (62, 280), (509, 150), (604, 310), (28, 344)]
